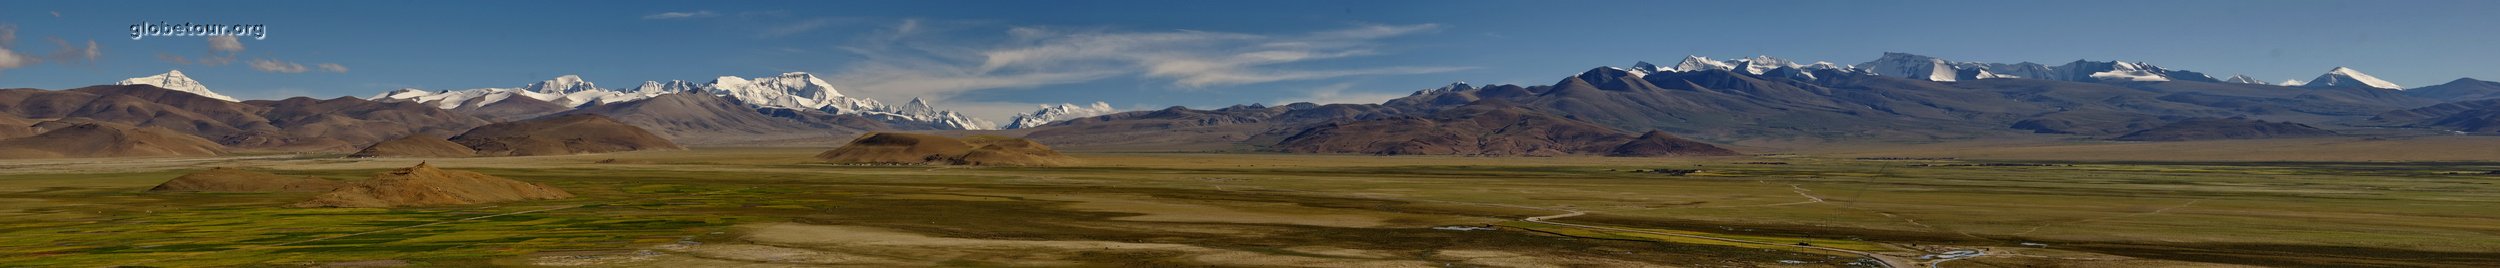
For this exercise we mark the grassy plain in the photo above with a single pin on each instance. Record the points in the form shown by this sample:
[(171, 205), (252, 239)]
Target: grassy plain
[(727, 207)]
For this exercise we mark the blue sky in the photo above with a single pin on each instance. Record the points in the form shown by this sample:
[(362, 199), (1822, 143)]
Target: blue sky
[(994, 58)]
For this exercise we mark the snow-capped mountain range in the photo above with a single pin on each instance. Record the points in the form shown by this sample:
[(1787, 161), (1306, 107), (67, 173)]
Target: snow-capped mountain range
[(1063, 111), (803, 91), (1755, 65), (1922, 67), (796, 90), (176, 81)]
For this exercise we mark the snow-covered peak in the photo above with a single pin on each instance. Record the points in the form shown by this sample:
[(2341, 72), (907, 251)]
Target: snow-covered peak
[(1453, 87), (1759, 64), (672, 86), (801, 84), (176, 81), (1697, 63), (1065, 111), (2342, 76), (566, 84), (2244, 79), (1633, 71), (729, 81), (1911, 66), (2091, 71), (788, 90), (2291, 83), (1646, 67), (1825, 65), (2129, 71), (917, 106), (403, 93), (918, 111), (468, 98)]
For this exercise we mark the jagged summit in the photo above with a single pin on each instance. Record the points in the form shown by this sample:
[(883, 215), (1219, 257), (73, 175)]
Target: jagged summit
[(796, 90), (1697, 63), (566, 84), (173, 79), (672, 86)]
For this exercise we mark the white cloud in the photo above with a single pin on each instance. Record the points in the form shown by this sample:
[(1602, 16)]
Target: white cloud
[(681, 15), (891, 79), (332, 67), (1232, 77), (1201, 59), (1375, 31), (905, 61), (898, 66), (11, 60), (1336, 93), (225, 43), (267, 65)]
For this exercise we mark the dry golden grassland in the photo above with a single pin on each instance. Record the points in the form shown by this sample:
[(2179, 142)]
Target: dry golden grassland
[(727, 207)]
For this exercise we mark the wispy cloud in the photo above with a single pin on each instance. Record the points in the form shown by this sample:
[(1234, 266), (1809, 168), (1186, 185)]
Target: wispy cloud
[(1197, 59), (222, 50), (681, 15), (72, 52), (1336, 93), (794, 28), (274, 66), (904, 60), (225, 43), (10, 59)]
